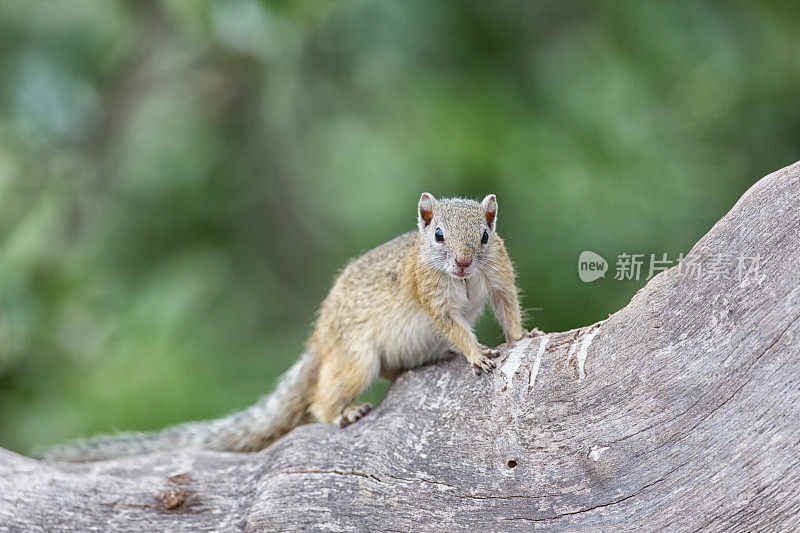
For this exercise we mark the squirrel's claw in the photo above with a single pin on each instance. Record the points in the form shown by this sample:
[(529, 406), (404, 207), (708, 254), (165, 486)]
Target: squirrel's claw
[(482, 366), (535, 332), (353, 413), (485, 364)]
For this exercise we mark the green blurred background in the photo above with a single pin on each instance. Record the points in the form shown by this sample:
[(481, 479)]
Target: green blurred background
[(180, 181)]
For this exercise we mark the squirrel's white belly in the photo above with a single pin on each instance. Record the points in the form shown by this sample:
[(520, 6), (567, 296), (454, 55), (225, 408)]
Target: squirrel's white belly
[(413, 340)]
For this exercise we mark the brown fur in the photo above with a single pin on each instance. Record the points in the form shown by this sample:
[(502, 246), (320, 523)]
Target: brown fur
[(403, 304)]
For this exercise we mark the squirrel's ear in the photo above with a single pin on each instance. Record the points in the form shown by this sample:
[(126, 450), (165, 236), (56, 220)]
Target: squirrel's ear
[(425, 210), (489, 205)]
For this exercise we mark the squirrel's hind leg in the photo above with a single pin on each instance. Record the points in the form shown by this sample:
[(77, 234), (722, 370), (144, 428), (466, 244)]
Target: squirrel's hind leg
[(343, 376)]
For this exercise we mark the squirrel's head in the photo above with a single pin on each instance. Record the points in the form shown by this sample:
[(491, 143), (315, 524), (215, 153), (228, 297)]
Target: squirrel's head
[(456, 233)]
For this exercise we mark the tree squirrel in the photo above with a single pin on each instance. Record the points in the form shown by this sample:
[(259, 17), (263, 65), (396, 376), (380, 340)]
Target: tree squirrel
[(403, 304)]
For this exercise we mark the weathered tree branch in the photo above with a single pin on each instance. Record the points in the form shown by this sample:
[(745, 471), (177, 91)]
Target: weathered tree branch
[(680, 412)]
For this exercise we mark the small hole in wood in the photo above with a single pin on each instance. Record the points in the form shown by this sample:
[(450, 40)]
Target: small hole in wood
[(512, 464)]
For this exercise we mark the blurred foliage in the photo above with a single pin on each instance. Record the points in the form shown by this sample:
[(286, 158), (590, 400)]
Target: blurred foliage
[(181, 181)]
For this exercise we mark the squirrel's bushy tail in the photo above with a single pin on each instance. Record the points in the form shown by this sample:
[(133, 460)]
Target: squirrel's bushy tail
[(249, 430)]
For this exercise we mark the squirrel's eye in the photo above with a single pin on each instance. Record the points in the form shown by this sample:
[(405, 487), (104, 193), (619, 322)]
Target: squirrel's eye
[(485, 237), (439, 235)]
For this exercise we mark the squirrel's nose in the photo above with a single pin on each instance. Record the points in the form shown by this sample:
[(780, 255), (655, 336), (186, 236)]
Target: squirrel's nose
[(463, 262)]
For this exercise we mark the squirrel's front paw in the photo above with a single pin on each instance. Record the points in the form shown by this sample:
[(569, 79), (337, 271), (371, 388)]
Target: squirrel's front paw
[(535, 332), (485, 363)]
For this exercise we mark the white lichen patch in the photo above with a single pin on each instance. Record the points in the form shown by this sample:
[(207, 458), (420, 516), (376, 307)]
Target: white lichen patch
[(514, 359), (587, 340), (596, 452), (538, 361)]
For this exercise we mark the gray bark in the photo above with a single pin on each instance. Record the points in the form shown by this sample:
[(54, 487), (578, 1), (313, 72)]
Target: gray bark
[(680, 412)]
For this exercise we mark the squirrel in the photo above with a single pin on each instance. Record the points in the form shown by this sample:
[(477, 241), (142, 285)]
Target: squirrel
[(410, 301)]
